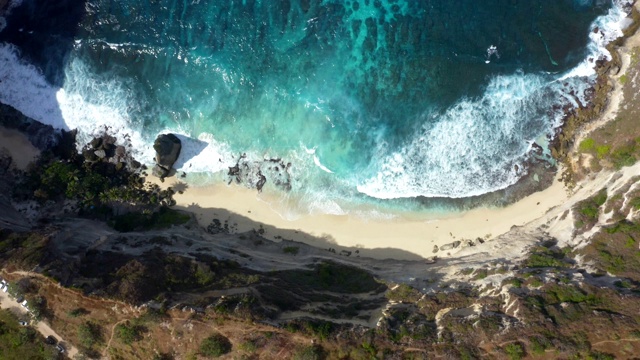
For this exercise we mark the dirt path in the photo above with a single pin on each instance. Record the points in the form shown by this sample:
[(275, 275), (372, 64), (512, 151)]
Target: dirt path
[(7, 303), (113, 332)]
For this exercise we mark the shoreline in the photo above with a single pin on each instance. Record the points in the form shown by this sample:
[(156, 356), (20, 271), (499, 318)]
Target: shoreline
[(405, 237)]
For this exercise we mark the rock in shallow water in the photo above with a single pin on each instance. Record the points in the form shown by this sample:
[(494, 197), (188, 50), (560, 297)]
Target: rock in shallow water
[(167, 147)]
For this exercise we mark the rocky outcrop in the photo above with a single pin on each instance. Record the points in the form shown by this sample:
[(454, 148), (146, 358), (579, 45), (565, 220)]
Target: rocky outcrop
[(167, 147), (103, 149), (255, 173)]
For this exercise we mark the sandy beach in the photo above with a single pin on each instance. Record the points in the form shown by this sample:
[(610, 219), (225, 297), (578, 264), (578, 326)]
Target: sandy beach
[(400, 236), (406, 236)]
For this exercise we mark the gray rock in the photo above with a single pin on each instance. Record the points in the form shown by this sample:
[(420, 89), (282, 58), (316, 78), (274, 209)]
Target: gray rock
[(120, 151), (159, 171), (167, 147), (450, 246), (100, 153)]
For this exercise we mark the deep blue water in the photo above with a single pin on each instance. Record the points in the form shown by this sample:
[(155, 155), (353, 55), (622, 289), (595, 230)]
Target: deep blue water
[(367, 99)]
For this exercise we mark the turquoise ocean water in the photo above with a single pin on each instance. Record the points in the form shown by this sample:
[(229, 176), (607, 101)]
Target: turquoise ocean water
[(369, 100)]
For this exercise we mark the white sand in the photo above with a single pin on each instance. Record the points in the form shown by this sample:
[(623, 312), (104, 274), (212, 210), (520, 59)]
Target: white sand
[(405, 236)]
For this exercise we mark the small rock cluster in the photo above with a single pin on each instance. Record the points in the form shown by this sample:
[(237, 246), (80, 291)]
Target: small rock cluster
[(104, 149), (255, 173)]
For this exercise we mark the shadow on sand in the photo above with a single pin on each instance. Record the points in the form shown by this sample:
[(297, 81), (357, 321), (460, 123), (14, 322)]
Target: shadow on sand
[(236, 223)]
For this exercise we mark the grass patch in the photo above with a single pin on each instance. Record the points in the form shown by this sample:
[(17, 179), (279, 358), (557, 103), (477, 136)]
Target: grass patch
[(587, 145), (624, 79), (602, 151)]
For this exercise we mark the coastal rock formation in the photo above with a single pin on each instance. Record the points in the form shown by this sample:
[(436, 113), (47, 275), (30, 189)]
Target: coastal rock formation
[(103, 149), (254, 173), (167, 147)]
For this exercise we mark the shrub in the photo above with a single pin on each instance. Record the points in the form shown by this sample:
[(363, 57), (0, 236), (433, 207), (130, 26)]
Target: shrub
[(313, 352), (538, 345), (77, 312), (293, 250), (514, 351), (128, 334), (404, 293), (215, 345), (89, 334)]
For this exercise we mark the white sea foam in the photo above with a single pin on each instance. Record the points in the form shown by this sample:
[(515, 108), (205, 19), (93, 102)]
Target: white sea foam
[(316, 160), (479, 145), (472, 148), (91, 104)]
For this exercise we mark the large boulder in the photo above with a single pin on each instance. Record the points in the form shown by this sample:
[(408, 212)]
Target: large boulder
[(167, 147)]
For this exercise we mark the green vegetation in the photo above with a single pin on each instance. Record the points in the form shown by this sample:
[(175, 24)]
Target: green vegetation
[(129, 333), (614, 250), (514, 351), (293, 250), (619, 156), (569, 293), (623, 79), (313, 352), (21, 342), (539, 345), (333, 277), (24, 250), (403, 293), (101, 189), (89, 334), (587, 145), (587, 211), (77, 312), (214, 346), (626, 155)]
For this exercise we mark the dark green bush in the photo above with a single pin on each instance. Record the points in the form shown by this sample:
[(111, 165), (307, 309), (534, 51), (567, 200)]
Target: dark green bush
[(215, 345)]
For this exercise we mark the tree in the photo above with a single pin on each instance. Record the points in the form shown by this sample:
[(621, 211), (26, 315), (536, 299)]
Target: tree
[(215, 345)]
